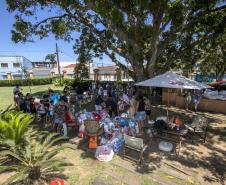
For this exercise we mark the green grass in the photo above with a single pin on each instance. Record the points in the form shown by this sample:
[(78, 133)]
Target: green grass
[(6, 93)]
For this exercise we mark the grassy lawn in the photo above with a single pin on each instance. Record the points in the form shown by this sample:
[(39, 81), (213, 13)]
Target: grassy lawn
[(6, 93)]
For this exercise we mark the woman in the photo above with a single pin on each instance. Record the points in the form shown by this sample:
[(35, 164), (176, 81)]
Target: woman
[(133, 106), (121, 107), (140, 115)]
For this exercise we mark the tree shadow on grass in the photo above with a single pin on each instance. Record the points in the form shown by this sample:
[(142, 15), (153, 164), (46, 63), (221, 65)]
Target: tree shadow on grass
[(215, 161)]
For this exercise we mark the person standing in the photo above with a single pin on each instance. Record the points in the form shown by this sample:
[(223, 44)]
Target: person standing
[(133, 106), (112, 106), (188, 100), (197, 96), (98, 102), (147, 103), (140, 115)]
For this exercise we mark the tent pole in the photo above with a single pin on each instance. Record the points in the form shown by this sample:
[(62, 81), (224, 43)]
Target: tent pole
[(167, 113)]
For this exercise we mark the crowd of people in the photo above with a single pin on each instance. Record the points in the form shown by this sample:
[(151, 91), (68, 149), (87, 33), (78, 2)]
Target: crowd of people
[(116, 101), (52, 106)]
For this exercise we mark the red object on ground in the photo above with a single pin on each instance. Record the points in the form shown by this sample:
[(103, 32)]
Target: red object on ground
[(57, 182), (178, 121)]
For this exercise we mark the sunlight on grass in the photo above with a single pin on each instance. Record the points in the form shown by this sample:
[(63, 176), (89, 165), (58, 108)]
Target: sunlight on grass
[(150, 182), (6, 93)]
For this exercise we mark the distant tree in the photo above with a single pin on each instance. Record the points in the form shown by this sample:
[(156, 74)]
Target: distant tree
[(51, 58), (150, 35)]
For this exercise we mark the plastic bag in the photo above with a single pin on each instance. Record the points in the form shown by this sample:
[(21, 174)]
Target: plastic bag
[(123, 122), (104, 153), (82, 130)]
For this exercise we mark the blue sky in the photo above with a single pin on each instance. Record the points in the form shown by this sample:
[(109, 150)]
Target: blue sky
[(34, 51)]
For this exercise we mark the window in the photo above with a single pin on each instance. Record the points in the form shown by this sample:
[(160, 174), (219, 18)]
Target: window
[(16, 65), (4, 77), (4, 65)]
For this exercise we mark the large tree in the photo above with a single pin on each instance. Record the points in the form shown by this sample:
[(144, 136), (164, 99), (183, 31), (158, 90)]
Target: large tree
[(81, 69), (149, 34)]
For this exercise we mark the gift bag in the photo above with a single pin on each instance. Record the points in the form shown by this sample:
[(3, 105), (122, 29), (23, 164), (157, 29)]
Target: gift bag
[(92, 142)]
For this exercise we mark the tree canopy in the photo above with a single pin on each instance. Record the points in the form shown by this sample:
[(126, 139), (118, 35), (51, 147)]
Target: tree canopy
[(151, 35)]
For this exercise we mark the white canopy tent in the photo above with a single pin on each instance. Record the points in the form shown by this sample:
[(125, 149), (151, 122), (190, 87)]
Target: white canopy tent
[(172, 81)]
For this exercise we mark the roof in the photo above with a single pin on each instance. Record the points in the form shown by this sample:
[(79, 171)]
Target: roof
[(15, 56), (70, 66), (107, 68), (42, 62)]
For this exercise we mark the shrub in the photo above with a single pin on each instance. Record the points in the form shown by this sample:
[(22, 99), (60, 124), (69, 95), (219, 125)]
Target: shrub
[(84, 84), (62, 82), (13, 126), (35, 81), (37, 161), (32, 155)]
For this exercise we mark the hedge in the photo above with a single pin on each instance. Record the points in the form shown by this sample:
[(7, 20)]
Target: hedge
[(35, 81)]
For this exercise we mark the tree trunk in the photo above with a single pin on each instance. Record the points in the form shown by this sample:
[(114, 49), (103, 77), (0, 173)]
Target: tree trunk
[(220, 72)]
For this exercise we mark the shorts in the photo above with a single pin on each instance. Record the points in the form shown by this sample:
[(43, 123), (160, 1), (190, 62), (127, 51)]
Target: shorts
[(140, 116), (148, 112), (79, 97), (58, 121)]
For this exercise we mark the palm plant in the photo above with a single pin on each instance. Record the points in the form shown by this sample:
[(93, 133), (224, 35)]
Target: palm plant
[(38, 162), (13, 126)]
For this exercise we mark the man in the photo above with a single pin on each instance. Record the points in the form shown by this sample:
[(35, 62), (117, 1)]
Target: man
[(112, 106)]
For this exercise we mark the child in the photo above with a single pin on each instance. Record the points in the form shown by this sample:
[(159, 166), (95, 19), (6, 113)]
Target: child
[(50, 111)]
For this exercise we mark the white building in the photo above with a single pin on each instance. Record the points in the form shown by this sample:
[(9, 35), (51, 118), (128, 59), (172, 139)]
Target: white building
[(11, 67), (109, 73)]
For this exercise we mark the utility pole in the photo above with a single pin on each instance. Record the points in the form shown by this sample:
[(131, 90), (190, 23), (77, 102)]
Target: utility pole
[(58, 61)]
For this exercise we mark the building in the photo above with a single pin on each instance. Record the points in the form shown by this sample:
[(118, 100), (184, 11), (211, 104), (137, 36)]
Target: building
[(68, 70), (11, 67), (110, 73), (42, 69)]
